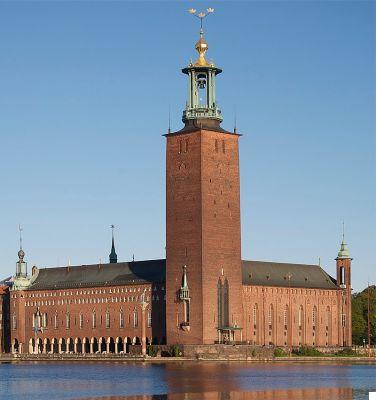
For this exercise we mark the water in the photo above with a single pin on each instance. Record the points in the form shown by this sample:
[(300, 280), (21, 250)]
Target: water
[(189, 380)]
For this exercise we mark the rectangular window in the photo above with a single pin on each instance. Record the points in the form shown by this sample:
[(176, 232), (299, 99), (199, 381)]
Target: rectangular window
[(94, 320), (223, 146), (14, 322), (135, 319), (121, 320), (67, 321), (216, 145), (149, 318), (56, 324), (81, 321), (107, 320)]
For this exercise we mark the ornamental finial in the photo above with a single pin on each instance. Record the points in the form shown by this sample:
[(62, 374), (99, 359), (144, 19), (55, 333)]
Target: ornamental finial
[(201, 45)]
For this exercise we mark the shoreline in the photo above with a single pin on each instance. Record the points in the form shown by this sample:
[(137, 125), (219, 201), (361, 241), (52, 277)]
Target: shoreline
[(127, 359)]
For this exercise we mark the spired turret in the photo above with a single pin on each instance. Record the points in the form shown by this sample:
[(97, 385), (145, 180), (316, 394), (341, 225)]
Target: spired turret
[(201, 102), (21, 281)]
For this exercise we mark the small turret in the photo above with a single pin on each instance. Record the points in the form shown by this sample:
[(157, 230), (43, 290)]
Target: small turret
[(21, 280)]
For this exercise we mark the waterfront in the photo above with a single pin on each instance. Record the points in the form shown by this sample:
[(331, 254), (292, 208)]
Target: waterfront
[(189, 380)]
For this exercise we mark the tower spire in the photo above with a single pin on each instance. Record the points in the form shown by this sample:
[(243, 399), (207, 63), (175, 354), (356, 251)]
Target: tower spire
[(344, 250), (113, 255), (201, 102)]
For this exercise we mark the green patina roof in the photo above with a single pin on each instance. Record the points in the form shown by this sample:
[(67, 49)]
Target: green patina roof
[(344, 250)]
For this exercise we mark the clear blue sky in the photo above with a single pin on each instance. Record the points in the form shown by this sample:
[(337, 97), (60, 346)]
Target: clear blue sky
[(85, 89)]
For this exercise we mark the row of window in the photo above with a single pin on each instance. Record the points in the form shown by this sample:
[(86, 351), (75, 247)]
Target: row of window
[(90, 300), (40, 320), (300, 316), (292, 291), (91, 291)]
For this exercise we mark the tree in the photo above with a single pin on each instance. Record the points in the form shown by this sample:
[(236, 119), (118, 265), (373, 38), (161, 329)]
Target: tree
[(360, 315)]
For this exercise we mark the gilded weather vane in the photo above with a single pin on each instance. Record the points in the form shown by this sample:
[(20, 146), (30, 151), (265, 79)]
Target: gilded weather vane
[(201, 15)]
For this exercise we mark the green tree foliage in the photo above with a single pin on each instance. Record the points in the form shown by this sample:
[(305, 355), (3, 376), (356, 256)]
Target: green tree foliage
[(359, 316)]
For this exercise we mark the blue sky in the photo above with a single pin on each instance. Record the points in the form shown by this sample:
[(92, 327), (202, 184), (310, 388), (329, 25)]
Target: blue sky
[(85, 89)]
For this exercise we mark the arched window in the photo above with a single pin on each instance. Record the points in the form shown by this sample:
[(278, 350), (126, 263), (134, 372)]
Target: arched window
[(135, 318), (67, 320), (81, 320), (121, 319), (107, 319), (219, 303), (285, 316), (94, 320), (226, 303), (270, 316), (56, 321), (14, 322), (300, 317), (149, 318), (255, 316), (314, 316)]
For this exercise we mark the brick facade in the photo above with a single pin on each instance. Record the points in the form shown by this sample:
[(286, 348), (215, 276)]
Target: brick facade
[(203, 231), (86, 320)]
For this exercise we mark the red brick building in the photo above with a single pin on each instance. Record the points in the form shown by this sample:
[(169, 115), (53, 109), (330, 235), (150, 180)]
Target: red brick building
[(203, 292)]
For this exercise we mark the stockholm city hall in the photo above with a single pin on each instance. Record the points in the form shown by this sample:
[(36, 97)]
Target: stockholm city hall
[(203, 292)]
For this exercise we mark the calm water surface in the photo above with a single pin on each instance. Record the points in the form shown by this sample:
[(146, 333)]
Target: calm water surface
[(178, 381)]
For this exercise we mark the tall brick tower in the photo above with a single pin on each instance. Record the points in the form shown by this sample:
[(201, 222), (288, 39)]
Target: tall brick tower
[(343, 261), (203, 266)]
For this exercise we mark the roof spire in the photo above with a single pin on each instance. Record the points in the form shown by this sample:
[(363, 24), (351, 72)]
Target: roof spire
[(201, 45), (113, 255), (344, 250), (21, 253)]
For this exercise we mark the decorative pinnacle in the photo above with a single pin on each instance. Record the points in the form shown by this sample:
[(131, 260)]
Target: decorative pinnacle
[(20, 230)]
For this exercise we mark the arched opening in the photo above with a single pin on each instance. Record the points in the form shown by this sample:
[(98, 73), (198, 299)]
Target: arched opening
[(85, 345), (102, 345), (62, 345), (78, 345), (136, 340), (119, 347), (127, 343), (15, 346), (47, 346), (39, 348), (111, 345), (31, 346), (70, 345), (54, 345), (94, 345)]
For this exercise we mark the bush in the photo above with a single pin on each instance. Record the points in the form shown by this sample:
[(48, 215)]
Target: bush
[(348, 352), (152, 351), (175, 351), (307, 351), (278, 352)]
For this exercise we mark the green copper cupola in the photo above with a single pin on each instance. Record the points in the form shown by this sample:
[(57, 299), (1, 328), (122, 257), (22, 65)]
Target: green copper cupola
[(201, 102)]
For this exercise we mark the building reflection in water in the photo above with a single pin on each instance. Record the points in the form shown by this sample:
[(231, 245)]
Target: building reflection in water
[(284, 394)]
